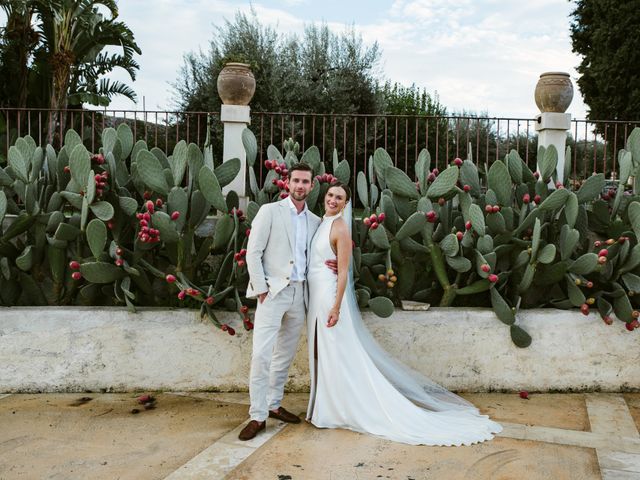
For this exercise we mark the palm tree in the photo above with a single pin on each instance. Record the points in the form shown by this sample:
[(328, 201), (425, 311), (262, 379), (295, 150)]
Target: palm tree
[(74, 33)]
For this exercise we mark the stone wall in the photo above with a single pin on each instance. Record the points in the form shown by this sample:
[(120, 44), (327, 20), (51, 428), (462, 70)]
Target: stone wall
[(79, 349)]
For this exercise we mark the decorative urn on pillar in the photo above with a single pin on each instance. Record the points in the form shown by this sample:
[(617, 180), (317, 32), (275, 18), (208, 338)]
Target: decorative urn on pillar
[(236, 84), (554, 92)]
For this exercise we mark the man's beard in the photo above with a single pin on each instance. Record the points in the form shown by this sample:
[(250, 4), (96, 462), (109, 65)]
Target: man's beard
[(299, 196)]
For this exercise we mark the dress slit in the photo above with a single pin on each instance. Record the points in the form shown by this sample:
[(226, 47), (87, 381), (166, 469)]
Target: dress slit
[(314, 387)]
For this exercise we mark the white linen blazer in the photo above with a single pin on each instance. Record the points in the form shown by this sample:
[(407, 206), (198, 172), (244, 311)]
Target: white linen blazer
[(270, 250)]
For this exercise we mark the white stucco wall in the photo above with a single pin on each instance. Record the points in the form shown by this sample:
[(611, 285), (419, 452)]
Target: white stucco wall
[(78, 349)]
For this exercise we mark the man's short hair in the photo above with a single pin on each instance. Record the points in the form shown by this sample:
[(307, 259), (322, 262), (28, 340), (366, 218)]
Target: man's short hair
[(302, 167)]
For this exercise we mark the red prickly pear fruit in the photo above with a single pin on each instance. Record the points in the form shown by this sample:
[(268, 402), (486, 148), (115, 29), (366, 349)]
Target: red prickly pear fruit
[(76, 275), (373, 218), (493, 278), (524, 395), (100, 159), (559, 185), (366, 221), (274, 181), (237, 256), (537, 199), (597, 243), (457, 162), (146, 195), (603, 253), (277, 169), (139, 216), (144, 238), (209, 300), (488, 208), (159, 202), (584, 308), (231, 331), (248, 324), (589, 284), (244, 309), (73, 265), (144, 224), (635, 314), (441, 201), (459, 236), (110, 225), (466, 188), (182, 294), (602, 259), (175, 215), (536, 174), (526, 198), (621, 240), (431, 216), (381, 217), (170, 278), (98, 178), (248, 232), (468, 225), (224, 327), (119, 262), (243, 252), (67, 169), (610, 241), (431, 177), (608, 320), (435, 171), (241, 263), (284, 195), (374, 225), (495, 209), (485, 268), (150, 206), (629, 326)]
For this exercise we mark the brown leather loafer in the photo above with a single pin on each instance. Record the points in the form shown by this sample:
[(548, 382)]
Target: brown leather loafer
[(251, 430), (282, 414)]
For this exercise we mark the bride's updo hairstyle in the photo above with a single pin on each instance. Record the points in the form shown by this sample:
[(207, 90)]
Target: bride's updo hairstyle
[(343, 186)]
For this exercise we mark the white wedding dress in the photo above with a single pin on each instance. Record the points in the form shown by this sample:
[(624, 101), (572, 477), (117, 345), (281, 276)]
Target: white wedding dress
[(356, 385)]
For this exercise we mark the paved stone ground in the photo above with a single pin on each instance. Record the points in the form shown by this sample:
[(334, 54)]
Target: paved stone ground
[(194, 436)]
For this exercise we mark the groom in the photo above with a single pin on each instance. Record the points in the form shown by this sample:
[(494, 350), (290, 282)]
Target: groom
[(277, 255)]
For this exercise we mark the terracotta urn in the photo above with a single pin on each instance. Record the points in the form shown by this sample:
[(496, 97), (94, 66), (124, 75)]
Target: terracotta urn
[(236, 84), (554, 92)]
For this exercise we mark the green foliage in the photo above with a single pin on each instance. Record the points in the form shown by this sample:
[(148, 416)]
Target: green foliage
[(600, 34), (436, 243)]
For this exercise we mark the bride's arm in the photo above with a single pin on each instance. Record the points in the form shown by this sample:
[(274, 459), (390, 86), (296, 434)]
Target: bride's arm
[(341, 239)]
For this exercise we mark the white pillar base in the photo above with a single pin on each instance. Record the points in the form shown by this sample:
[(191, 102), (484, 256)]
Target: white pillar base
[(236, 118), (552, 129)]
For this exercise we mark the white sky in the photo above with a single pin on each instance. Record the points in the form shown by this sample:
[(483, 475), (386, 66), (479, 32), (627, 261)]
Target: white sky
[(480, 56)]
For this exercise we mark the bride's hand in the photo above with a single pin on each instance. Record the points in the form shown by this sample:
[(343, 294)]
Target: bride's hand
[(334, 315)]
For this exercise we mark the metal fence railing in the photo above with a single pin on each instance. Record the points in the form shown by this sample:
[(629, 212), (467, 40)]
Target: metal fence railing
[(594, 144)]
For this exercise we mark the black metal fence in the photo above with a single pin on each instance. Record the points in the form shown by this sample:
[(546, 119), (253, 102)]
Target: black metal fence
[(594, 144)]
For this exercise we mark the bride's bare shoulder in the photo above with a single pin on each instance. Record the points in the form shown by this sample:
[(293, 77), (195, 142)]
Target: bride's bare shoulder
[(339, 227)]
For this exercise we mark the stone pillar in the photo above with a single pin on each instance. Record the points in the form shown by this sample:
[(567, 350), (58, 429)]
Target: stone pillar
[(553, 96), (552, 128), (236, 86), (236, 118)]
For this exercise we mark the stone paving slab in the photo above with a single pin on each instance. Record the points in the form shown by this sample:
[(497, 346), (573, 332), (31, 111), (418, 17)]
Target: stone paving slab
[(46, 436), (194, 436), (306, 453)]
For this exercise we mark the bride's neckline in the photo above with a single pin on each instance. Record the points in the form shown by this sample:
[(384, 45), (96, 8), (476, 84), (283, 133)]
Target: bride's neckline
[(331, 217)]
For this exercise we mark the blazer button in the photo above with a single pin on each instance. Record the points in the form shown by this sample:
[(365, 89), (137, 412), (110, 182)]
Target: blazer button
[(287, 278), (291, 262)]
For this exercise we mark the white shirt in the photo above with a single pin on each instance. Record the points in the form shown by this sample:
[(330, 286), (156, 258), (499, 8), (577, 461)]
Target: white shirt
[(299, 228)]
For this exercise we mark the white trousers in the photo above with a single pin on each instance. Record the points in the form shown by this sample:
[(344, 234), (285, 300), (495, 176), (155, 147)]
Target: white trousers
[(277, 327)]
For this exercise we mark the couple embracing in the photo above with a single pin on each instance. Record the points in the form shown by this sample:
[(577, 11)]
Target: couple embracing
[(299, 267)]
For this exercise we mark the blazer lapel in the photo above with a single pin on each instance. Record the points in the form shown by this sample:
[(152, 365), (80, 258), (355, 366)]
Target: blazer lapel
[(286, 221)]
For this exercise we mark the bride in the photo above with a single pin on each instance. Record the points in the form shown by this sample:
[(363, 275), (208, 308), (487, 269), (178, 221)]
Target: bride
[(354, 383)]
